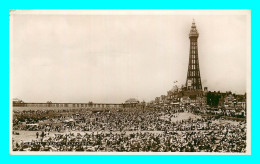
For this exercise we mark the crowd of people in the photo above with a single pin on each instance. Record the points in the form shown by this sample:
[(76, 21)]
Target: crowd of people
[(127, 130)]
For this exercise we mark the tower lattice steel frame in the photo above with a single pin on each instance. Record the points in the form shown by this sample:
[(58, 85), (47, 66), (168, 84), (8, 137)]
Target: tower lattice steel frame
[(193, 81)]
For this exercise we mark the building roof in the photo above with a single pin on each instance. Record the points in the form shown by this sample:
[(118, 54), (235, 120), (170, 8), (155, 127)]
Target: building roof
[(16, 100), (132, 100), (174, 88)]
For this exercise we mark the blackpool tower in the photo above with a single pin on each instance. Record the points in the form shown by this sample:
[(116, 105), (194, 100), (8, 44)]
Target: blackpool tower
[(193, 81)]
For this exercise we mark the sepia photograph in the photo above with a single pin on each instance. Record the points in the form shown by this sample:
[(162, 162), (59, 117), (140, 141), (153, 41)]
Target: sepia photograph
[(173, 82)]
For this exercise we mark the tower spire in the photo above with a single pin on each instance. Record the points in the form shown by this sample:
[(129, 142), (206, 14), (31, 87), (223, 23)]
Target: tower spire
[(193, 31)]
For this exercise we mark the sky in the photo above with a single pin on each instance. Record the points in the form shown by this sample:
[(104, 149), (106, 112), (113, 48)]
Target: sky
[(110, 58)]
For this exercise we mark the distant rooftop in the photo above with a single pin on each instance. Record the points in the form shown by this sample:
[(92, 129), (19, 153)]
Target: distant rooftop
[(132, 100)]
